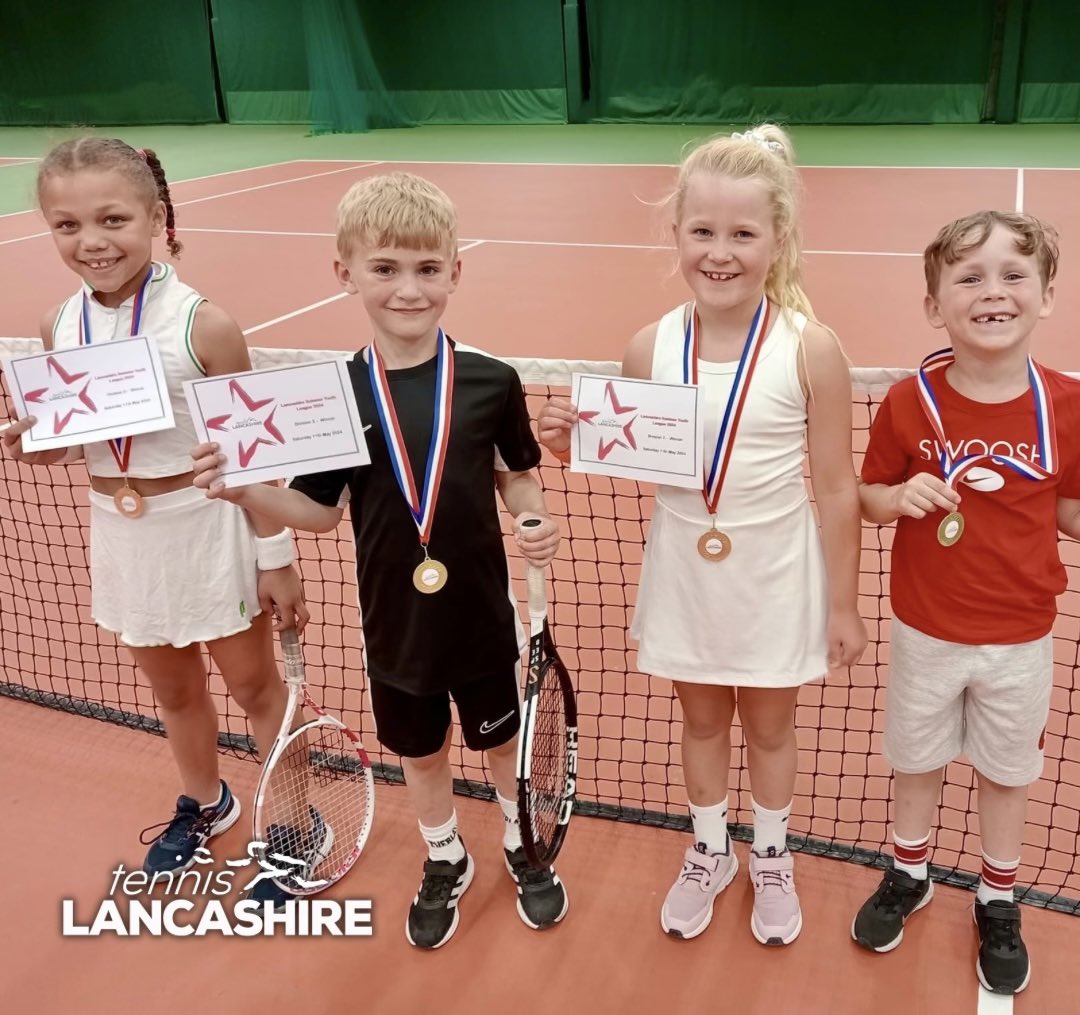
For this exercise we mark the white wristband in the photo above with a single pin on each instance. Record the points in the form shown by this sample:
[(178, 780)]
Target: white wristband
[(273, 552)]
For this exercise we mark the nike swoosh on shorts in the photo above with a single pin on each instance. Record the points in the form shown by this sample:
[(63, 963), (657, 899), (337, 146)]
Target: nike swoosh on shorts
[(486, 727)]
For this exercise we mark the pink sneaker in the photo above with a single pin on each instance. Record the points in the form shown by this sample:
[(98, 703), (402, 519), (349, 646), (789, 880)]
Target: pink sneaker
[(777, 918), (688, 907)]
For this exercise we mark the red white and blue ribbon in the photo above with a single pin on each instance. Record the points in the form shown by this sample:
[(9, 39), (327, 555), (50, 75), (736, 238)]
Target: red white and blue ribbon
[(422, 504), (954, 469), (119, 446), (729, 424)]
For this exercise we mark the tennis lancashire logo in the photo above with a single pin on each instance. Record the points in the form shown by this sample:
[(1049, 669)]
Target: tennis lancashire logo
[(194, 903)]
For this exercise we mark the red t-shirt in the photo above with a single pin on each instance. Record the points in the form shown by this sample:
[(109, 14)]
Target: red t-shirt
[(1000, 582)]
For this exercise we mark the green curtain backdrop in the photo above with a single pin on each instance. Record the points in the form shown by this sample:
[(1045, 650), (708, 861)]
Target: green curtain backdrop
[(847, 61), (121, 62), (349, 64), (471, 61), (354, 65), (1050, 67)]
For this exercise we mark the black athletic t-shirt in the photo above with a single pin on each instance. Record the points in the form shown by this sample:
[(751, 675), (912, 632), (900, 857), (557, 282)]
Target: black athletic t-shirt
[(426, 643)]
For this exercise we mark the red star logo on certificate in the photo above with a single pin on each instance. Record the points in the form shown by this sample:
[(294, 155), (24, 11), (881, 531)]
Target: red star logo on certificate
[(246, 453), (61, 420), (612, 419)]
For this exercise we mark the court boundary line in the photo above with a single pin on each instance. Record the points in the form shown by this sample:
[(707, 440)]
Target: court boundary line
[(544, 243), (993, 1004), (674, 165), (325, 302), (228, 193), (192, 179), (1020, 190)]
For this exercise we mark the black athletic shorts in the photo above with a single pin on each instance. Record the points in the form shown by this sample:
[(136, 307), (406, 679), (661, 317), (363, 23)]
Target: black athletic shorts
[(415, 726)]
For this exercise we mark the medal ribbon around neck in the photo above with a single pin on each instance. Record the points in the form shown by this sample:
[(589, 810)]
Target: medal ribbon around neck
[(954, 469), (729, 425), (119, 446), (422, 506)]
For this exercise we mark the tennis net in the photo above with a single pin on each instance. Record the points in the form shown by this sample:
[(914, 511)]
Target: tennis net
[(630, 725)]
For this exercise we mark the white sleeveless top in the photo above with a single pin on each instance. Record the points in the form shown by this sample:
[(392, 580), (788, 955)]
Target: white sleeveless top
[(758, 617), (167, 319)]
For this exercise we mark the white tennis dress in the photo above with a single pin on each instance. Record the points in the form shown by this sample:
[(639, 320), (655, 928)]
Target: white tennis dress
[(184, 571), (757, 618)]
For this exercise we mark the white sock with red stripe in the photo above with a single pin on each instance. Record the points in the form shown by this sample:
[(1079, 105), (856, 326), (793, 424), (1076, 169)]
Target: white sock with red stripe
[(910, 856), (998, 879)]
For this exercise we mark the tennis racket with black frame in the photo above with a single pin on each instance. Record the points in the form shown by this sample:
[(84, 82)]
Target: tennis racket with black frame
[(548, 742), (315, 800)]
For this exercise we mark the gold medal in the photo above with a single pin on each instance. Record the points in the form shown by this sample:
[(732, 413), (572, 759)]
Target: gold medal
[(128, 502), (429, 576), (714, 544), (951, 529)]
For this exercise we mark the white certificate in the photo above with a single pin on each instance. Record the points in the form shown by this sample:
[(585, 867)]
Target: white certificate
[(90, 393), (282, 422), (648, 431)]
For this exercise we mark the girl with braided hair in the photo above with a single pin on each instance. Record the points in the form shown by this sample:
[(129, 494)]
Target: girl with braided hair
[(170, 570)]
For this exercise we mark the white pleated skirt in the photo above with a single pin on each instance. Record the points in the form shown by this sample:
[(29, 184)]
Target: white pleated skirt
[(183, 572), (754, 619)]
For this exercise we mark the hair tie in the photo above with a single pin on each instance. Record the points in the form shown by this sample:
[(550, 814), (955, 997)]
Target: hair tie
[(760, 140), (141, 152), (170, 234)]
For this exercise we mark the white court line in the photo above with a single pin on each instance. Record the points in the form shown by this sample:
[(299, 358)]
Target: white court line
[(296, 313), (994, 1004), (214, 197), (1019, 190), (275, 183), (557, 243), (19, 239), (330, 299), (252, 232), (11, 161), (671, 165), (190, 179)]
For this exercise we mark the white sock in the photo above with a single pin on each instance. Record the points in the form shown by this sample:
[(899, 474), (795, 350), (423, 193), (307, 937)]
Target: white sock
[(910, 856), (443, 842), (998, 879), (710, 826), (217, 799), (770, 829), (511, 826)]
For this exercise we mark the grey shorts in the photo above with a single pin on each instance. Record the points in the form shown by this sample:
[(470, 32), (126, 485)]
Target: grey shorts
[(988, 702)]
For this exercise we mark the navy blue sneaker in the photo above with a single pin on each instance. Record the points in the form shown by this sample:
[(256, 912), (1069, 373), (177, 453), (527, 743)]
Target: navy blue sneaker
[(303, 855), (191, 826)]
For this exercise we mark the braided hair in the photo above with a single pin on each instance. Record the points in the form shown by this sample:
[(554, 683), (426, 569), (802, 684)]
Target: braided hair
[(140, 165)]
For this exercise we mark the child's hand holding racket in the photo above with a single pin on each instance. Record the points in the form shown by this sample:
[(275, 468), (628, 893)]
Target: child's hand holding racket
[(537, 536)]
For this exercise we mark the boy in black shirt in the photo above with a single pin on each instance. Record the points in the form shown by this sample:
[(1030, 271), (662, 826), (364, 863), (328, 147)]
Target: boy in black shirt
[(449, 427)]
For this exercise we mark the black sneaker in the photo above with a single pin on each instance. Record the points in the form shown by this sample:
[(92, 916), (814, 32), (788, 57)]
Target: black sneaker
[(542, 900), (879, 925), (305, 854), (1003, 965), (191, 826), (433, 915)]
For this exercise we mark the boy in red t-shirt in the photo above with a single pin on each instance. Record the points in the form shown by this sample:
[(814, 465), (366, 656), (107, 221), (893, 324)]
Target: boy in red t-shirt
[(975, 575)]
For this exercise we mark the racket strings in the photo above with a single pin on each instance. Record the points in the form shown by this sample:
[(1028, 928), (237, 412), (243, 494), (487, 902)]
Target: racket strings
[(317, 804), (548, 772)]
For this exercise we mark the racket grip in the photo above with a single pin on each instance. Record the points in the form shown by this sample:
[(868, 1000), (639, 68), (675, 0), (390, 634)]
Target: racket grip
[(292, 654), (537, 582)]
